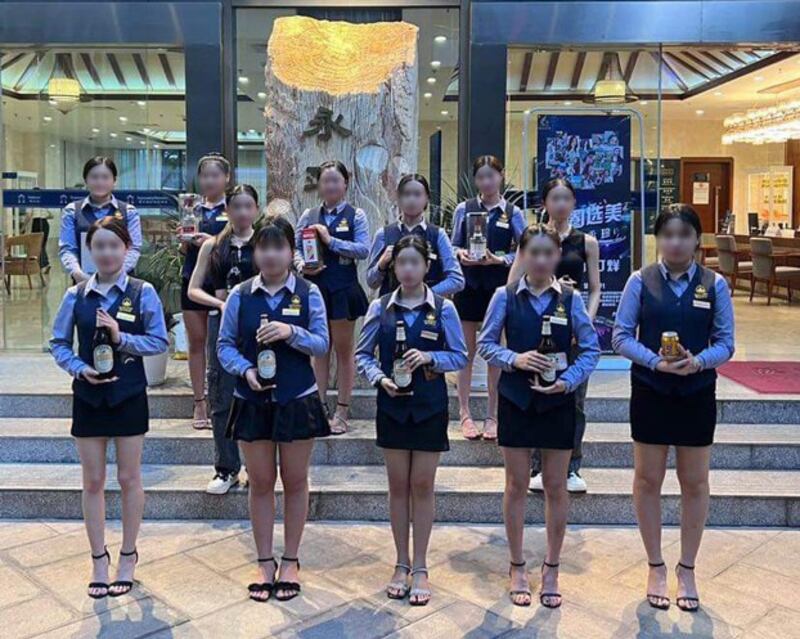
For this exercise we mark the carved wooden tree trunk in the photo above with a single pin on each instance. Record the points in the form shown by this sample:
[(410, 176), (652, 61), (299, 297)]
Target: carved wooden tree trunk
[(340, 91)]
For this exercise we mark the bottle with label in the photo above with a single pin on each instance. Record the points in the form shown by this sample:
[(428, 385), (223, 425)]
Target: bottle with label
[(312, 252), (234, 276), (189, 224), (402, 376), (548, 348), (266, 362), (103, 359), (477, 241)]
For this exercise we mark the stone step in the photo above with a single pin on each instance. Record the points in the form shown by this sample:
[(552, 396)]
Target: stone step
[(464, 494), (601, 406), (606, 445)]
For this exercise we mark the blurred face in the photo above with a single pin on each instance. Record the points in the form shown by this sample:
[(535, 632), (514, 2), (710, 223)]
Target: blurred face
[(332, 186), (677, 241), (488, 180), (559, 203), (273, 260), (100, 181), (413, 199), (108, 251), (242, 211), (212, 180), (540, 258), (410, 267)]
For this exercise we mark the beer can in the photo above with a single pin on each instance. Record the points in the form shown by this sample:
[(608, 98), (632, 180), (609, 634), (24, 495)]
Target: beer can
[(670, 345)]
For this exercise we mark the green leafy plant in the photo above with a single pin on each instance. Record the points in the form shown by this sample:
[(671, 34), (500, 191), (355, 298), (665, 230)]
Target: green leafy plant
[(452, 195), (161, 264)]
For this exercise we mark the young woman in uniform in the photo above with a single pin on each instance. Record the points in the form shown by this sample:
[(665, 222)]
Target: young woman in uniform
[(673, 388), (224, 261), (109, 403), (100, 176), (276, 407), (412, 423), (343, 233), (504, 224), (537, 395), (213, 174), (444, 275), (580, 262)]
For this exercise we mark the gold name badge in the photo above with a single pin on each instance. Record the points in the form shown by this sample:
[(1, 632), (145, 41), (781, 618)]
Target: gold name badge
[(700, 293), (430, 318)]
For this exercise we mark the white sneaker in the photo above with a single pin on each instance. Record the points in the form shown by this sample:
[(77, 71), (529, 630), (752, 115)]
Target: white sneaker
[(536, 483), (221, 484), (576, 483)]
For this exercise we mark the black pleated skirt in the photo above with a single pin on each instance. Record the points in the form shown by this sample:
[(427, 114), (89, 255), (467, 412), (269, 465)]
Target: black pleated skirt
[(517, 428), (428, 435), (471, 303), (348, 303), (670, 420), (129, 417), (299, 419)]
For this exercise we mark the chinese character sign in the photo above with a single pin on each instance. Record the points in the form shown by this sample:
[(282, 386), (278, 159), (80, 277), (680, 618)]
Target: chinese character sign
[(593, 153)]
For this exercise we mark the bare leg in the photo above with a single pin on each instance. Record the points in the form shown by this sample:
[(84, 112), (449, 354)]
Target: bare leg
[(490, 425), (295, 457), (398, 471), (129, 476), (518, 467), (262, 472), (468, 427), (692, 467), (423, 477), (92, 452), (196, 334), (342, 339), (556, 508), (650, 465)]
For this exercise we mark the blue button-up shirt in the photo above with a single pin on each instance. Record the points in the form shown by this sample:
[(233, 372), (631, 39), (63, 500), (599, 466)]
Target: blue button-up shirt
[(626, 323), (313, 341), (452, 359), (518, 224), (496, 354), (68, 250), (358, 249), (153, 341), (453, 277)]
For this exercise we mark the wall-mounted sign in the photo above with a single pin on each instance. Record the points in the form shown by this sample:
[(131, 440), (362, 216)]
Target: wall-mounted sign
[(59, 198), (701, 192)]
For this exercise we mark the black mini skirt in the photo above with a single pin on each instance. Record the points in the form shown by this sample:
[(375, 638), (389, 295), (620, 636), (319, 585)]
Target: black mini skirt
[(188, 304), (348, 303), (471, 303), (429, 435), (670, 420), (129, 417), (554, 428), (299, 419)]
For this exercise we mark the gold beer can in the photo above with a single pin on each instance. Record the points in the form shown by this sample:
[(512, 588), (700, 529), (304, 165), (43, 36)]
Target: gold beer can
[(670, 345)]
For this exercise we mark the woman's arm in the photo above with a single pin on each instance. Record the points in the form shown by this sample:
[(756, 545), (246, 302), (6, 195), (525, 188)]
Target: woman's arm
[(490, 346), (358, 249), (196, 292), (135, 231), (154, 340), (626, 323), (366, 362), (593, 271), (453, 281), (454, 358), (299, 258), (588, 346), (374, 274), (722, 331), (314, 340), (63, 332), (516, 270), (227, 343)]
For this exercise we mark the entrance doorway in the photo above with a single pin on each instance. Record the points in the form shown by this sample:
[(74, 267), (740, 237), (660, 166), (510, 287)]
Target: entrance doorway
[(707, 184)]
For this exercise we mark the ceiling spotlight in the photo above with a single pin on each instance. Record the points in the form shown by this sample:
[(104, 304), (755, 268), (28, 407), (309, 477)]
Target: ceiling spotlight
[(113, 135), (699, 112), (427, 95), (262, 95), (444, 112), (47, 118), (440, 39), (156, 146), (567, 103), (431, 80), (435, 64), (52, 146), (141, 103), (142, 142), (122, 118), (95, 130), (129, 139), (243, 79), (644, 103)]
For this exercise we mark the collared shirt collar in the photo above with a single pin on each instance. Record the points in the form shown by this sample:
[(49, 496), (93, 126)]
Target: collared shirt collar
[(211, 207), (336, 210), (501, 204), (396, 300), (87, 202), (422, 224), (689, 274), (555, 286), (258, 283), (121, 284)]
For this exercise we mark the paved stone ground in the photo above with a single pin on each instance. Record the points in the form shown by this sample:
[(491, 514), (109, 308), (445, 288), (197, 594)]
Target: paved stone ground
[(193, 584)]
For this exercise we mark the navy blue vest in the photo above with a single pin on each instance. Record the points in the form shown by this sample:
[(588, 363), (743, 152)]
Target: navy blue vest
[(391, 236), (523, 330), (294, 372), (662, 310), (340, 272), (130, 369), (208, 224), (429, 396), (85, 218), (499, 240)]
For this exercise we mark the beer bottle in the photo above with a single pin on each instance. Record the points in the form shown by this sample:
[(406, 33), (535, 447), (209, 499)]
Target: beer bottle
[(234, 276), (402, 376), (266, 362), (548, 348), (103, 359)]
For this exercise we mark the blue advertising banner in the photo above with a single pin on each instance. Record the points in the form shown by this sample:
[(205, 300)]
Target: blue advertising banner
[(593, 153), (59, 198)]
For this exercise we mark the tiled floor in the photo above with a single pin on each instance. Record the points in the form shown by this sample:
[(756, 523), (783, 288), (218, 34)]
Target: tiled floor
[(194, 575)]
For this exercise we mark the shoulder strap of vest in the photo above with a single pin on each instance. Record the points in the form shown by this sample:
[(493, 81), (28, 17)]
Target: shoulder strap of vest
[(301, 286), (472, 205), (349, 209), (438, 302), (313, 215), (391, 233), (511, 288), (385, 302), (509, 209), (246, 287), (81, 288), (708, 278), (432, 232), (136, 285)]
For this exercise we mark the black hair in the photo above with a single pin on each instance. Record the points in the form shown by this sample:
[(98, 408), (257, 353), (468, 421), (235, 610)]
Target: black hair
[(337, 166), (276, 231), (487, 160), (113, 223), (241, 189), (535, 230), (216, 158), (99, 160), (414, 177), (419, 244), (222, 242), (683, 212), (551, 184)]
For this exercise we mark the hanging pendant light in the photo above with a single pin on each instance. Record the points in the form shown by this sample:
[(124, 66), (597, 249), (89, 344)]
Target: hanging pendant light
[(611, 88), (65, 93)]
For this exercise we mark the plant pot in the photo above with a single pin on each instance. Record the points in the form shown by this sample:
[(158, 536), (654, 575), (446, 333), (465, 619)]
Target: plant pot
[(155, 368)]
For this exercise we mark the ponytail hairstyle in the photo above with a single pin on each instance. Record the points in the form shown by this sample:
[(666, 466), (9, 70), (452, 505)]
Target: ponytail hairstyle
[(222, 242)]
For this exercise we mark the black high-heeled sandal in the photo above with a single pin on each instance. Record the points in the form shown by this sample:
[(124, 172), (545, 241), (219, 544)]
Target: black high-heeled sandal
[(126, 585), (651, 598), (264, 586), (526, 591), (292, 587), (542, 595), (100, 584), (678, 600)]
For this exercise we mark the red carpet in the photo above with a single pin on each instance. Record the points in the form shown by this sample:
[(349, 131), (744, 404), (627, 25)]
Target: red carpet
[(765, 377)]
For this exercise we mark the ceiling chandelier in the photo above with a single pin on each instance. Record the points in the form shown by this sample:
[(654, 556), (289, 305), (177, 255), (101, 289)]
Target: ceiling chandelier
[(611, 87), (64, 92), (777, 123)]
